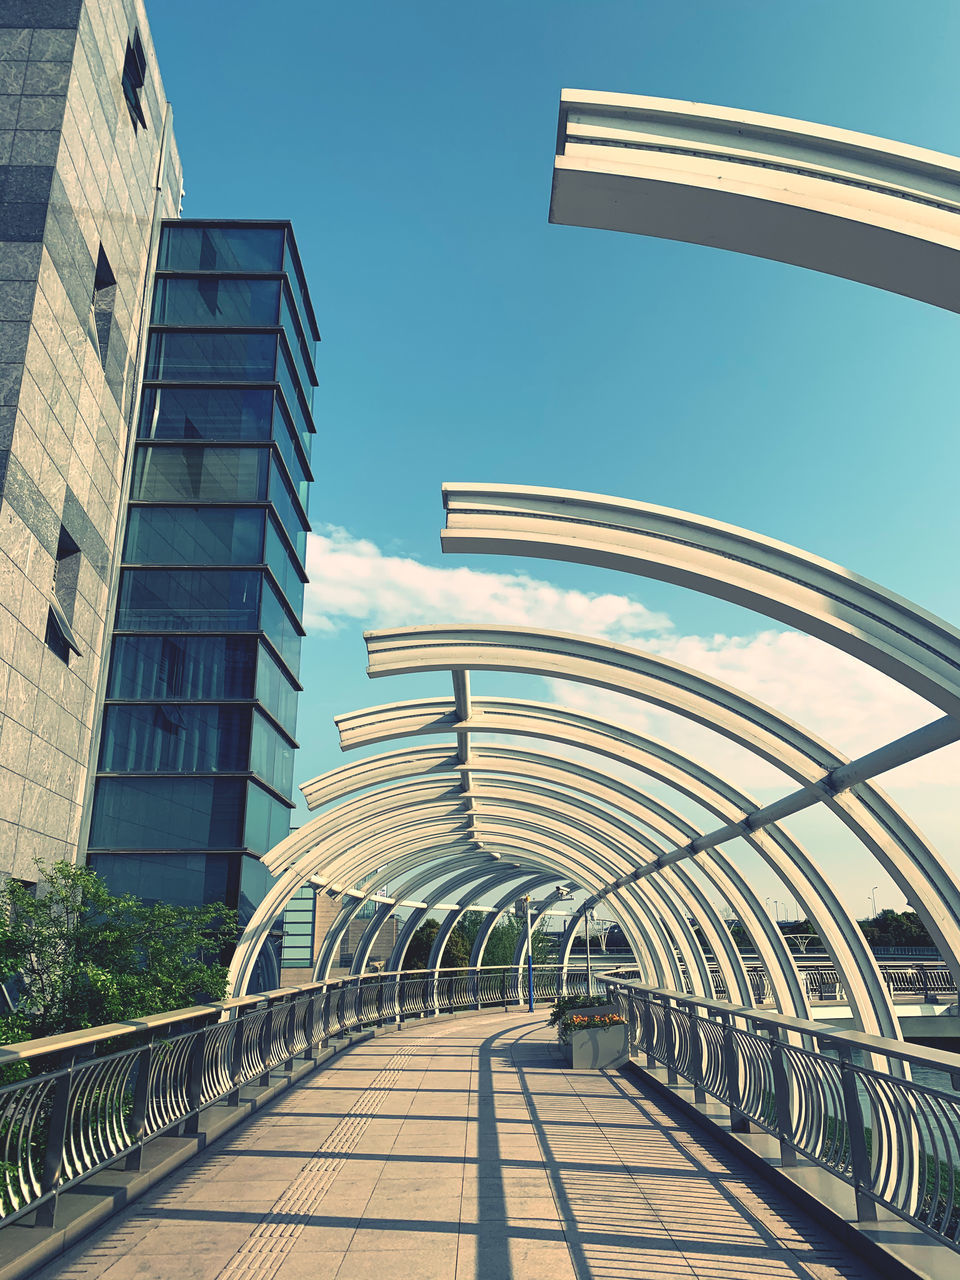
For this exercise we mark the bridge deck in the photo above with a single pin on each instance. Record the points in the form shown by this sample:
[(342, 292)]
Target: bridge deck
[(462, 1150)]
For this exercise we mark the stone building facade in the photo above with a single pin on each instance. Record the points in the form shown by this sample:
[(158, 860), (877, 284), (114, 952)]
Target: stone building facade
[(88, 170)]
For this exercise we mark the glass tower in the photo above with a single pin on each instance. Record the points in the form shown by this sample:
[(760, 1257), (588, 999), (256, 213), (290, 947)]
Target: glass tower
[(195, 769)]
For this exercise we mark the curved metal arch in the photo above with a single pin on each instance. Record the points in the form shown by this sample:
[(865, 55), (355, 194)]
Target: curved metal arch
[(669, 685), (358, 814), (868, 209), (348, 858), (642, 809), (915, 867), (563, 725), (897, 637)]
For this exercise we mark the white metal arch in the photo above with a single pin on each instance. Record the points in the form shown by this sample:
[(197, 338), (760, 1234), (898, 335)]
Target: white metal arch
[(353, 840), (665, 684), (869, 209), (573, 728), (926, 881), (889, 633), (640, 809)]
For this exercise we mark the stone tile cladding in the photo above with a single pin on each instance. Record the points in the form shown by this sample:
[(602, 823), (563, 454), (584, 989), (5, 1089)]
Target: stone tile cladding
[(75, 176)]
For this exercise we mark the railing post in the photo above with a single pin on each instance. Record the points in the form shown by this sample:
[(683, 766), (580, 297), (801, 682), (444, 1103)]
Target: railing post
[(141, 1099), (649, 1032), (309, 1026), (236, 1059), (783, 1109), (476, 989), (53, 1152), (672, 1077), (731, 1067), (379, 1001), (696, 1055), (195, 1081), (503, 988), (265, 1038), (856, 1135)]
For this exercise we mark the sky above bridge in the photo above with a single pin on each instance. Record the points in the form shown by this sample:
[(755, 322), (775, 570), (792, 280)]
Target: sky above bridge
[(467, 339)]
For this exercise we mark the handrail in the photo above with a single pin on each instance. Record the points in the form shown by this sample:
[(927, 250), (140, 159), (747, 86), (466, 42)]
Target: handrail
[(98, 1099), (819, 1091)]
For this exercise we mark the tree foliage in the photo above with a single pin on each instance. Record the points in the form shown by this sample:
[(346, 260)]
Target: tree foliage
[(896, 929), (500, 948), (81, 956)]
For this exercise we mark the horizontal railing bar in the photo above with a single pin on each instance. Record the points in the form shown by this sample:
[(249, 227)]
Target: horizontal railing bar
[(917, 1054)]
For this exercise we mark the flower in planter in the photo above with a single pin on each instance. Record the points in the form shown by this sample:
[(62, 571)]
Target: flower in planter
[(579, 1022)]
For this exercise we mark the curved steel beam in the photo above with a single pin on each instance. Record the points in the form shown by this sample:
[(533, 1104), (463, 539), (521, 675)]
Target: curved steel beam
[(868, 209), (563, 725), (352, 844), (666, 684), (900, 639)]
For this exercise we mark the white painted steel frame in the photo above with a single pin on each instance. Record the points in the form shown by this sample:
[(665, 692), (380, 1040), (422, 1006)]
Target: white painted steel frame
[(868, 209)]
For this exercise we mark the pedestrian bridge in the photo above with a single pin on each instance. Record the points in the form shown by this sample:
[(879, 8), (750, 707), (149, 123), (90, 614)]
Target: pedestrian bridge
[(466, 1145), (463, 1150)]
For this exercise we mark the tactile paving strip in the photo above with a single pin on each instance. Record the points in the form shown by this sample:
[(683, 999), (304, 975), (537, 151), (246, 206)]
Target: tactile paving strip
[(262, 1254)]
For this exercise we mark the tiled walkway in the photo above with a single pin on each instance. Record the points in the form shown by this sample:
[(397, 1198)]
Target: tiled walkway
[(462, 1150)]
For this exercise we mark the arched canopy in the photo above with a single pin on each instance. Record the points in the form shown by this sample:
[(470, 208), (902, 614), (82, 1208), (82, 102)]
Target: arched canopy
[(916, 868), (884, 213)]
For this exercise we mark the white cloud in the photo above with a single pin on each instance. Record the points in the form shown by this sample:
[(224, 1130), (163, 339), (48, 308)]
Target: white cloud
[(352, 580)]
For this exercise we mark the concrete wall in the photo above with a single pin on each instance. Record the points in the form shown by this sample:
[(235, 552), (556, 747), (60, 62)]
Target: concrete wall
[(76, 177)]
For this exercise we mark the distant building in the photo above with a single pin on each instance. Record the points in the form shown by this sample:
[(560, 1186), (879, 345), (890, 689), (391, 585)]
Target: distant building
[(155, 423)]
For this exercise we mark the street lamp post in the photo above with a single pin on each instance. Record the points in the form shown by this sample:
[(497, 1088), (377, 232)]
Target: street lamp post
[(529, 955), (588, 918), (873, 898)]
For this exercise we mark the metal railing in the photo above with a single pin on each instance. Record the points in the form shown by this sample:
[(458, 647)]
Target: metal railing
[(824, 982), (98, 1096), (824, 1095)]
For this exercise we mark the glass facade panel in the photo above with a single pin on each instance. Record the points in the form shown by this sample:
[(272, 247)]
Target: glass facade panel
[(285, 568), (298, 929), (290, 385), (178, 738), (177, 667), (187, 248), (185, 879), (152, 813), (209, 300), (271, 756), (196, 535), (191, 600), (205, 473), (281, 496), (275, 691), (280, 628), (298, 288), (207, 413), (283, 433), (267, 820), (298, 348), (187, 356)]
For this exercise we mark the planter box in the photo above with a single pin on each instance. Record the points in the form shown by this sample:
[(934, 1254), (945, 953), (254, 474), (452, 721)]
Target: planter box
[(597, 1046)]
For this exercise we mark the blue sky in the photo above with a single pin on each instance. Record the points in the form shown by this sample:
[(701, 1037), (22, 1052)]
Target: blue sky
[(467, 339)]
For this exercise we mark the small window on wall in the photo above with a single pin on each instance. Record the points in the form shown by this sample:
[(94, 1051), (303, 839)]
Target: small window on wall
[(66, 572), (101, 306), (134, 74)]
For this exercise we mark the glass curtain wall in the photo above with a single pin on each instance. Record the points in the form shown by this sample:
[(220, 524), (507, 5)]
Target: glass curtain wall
[(195, 771)]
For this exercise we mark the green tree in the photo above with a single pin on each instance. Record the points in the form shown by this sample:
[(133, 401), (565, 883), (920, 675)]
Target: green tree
[(83, 956), (506, 933), (896, 929)]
